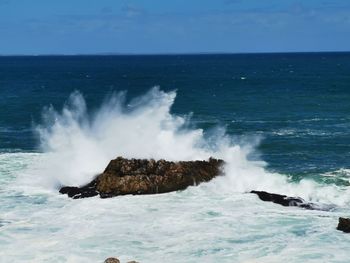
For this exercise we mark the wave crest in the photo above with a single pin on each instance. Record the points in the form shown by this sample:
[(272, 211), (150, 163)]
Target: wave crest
[(79, 145)]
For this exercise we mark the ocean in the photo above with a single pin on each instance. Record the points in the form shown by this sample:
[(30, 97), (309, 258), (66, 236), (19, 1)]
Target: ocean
[(280, 121)]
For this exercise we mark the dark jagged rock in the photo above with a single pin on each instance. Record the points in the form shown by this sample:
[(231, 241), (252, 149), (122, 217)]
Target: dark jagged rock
[(283, 200), (344, 224), (88, 190), (135, 176)]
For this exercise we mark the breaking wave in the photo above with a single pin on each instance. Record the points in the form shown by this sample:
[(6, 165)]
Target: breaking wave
[(79, 145)]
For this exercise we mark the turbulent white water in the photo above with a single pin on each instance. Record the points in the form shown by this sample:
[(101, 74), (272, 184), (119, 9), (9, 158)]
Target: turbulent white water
[(215, 222), (80, 145)]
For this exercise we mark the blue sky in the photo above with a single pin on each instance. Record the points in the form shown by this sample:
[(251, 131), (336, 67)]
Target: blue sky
[(179, 26)]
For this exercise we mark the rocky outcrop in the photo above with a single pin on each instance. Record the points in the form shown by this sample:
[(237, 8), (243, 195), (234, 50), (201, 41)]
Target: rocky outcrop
[(112, 260), (135, 176), (344, 224), (284, 200), (115, 260)]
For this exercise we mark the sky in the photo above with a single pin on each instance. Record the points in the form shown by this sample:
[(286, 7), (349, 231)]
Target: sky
[(34, 27)]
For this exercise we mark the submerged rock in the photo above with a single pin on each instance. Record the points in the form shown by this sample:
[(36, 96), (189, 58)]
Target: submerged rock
[(112, 260), (284, 200), (115, 260), (344, 224), (140, 176)]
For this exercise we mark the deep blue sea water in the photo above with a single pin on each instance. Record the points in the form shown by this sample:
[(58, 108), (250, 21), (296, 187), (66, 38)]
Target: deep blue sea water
[(298, 103), (292, 109)]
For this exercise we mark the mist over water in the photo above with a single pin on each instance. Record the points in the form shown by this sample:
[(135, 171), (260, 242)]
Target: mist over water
[(140, 128), (79, 145)]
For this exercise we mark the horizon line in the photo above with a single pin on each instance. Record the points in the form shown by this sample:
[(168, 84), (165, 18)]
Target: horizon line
[(169, 53)]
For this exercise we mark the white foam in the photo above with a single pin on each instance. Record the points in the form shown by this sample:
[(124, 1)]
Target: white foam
[(197, 225), (213, 222), (79, 146)]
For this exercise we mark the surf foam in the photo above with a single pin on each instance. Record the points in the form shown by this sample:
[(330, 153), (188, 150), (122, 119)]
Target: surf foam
[(79, 145)]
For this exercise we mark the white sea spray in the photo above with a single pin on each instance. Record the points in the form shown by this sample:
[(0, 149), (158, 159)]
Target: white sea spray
[(213, 222), (79, 145)]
